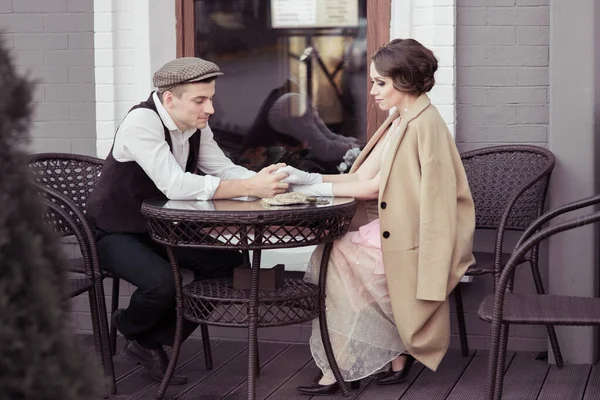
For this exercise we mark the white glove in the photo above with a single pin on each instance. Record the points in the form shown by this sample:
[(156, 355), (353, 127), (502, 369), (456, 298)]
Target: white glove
[(324, 189), (298, 177)]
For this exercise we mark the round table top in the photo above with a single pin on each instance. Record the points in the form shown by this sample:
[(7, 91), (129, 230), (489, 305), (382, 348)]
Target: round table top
[(238, 206), (246, 224)]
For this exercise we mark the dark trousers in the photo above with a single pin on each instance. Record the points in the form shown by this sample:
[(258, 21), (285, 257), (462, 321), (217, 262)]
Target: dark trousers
[(150, 317)]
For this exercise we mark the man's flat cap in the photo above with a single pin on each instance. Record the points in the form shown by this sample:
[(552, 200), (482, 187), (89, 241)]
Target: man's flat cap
[(184, 70)]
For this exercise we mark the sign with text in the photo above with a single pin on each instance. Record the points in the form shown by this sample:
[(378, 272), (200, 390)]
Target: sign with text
[(314, 13)]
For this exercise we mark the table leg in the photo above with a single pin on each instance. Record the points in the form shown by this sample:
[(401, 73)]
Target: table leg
[(323, 320), (178, 326), (206, 345), (253, 366)]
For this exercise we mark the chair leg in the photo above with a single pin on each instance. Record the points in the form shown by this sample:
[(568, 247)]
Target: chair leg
[(555, 346), (113, 308), (501, 366), (206, 345), (460, 316), (100, 327), (92, 298), (539, 286), (492, 373)]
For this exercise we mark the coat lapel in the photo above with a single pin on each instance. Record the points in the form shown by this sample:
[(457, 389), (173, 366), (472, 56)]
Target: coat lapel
[(374, 140), (420, 105)]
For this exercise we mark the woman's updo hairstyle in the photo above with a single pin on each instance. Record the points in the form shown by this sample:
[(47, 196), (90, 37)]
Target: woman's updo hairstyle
[(410, 65)]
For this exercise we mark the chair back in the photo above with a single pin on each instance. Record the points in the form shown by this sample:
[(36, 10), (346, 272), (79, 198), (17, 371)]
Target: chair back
[(66, 181), (72, 175), (536, 234), (65, 219), (511, 179), (63, 224)]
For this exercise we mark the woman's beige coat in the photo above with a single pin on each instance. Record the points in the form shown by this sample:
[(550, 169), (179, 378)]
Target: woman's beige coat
[(427, 221)]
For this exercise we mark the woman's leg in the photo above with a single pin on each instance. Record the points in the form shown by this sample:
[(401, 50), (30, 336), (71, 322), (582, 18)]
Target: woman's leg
[(399, 373), (399, 362), (327, 378)]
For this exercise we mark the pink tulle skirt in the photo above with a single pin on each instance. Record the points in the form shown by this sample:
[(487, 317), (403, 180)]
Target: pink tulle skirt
[(363, 334), (368, 236)]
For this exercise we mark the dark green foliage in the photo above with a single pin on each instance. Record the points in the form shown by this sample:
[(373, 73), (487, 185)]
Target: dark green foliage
[(40, 358)]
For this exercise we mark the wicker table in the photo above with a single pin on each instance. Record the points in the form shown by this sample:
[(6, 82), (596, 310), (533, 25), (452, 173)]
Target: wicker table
[(231, 224)]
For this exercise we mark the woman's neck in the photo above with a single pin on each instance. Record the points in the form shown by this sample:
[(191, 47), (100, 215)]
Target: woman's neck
[(406, 103)]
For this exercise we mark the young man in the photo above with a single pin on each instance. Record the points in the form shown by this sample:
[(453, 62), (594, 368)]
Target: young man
[(164, 147)]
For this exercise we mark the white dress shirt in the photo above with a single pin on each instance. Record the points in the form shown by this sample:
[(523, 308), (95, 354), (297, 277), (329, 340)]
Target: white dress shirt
[(141, 138)]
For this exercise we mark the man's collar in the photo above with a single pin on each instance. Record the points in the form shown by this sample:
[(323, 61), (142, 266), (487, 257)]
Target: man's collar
[(166, 118)]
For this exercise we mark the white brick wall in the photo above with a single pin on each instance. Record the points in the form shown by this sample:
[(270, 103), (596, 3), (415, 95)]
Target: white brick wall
[(111, 31), (132, 39), (503, 75), (432, 22), (52, 42)]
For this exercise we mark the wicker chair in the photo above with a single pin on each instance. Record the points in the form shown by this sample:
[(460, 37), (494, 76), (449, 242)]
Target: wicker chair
[(508, 185), (505, 307), (66, 219), (74, 176)]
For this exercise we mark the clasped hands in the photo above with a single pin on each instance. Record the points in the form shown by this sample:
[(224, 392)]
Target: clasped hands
[(305, 182), (279, 178)]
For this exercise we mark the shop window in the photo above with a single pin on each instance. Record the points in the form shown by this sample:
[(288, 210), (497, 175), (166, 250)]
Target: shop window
[(295, 88)]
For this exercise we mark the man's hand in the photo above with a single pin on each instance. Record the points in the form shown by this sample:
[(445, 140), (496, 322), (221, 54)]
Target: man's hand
[(298, 177), (268, 182)]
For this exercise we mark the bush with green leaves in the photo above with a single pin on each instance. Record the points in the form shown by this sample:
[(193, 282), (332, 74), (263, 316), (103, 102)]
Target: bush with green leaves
[(40, 358)]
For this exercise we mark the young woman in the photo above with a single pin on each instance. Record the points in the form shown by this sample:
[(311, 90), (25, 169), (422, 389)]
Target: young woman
[(411, 239)]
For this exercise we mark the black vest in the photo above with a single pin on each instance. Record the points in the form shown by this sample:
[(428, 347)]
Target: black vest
[(114, 205)]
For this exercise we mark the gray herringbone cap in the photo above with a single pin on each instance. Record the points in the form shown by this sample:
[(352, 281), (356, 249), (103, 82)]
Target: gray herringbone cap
[(184, 70)]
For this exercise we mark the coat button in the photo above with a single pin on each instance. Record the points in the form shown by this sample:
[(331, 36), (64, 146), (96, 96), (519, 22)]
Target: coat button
[(386, 234), (383, 205)]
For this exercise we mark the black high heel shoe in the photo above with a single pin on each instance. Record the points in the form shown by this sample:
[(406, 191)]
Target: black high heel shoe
[(392, 377), (325, 390)]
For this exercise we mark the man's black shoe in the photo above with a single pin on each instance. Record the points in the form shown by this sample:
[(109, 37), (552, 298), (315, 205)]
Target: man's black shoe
[(154, 361)]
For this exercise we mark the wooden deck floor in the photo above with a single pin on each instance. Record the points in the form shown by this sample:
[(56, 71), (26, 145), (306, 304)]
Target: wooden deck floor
[(285, 366)]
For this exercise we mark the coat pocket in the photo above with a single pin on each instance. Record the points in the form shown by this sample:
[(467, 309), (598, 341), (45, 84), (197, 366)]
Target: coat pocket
[(399, 237), (402, 244)]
